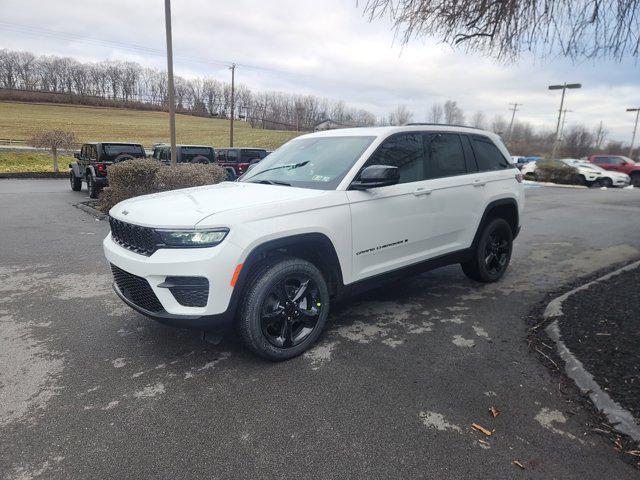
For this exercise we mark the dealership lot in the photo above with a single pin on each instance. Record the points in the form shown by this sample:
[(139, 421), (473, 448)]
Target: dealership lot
[(90, 388)]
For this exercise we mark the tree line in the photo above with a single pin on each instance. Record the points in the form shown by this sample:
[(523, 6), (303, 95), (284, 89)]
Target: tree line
[(127, 83), (130, 84)]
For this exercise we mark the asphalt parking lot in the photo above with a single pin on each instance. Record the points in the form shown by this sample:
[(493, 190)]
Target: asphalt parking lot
[(89, 388)]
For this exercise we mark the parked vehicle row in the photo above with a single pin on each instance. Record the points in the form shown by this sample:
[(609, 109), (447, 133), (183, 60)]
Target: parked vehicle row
[(602, 170), (93, 160)]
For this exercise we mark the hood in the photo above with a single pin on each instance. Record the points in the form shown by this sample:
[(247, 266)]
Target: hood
[(186, 207)]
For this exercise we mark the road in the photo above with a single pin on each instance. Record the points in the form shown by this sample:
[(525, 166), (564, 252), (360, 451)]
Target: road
[(89, 388)]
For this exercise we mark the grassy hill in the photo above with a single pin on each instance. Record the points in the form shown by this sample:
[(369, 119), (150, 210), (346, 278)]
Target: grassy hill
[(21, 120)]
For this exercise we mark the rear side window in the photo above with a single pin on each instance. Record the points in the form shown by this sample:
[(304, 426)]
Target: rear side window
[(488, 156), (248, 155), (405, 151), (445, 155)]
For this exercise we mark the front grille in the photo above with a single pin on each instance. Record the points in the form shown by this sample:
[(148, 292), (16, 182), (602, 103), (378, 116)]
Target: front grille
[(136, 289), (188, 291), (138, 239)]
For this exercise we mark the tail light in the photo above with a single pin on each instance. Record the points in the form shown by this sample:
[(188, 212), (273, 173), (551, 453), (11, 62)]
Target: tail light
[(519, 177), (102, 168)]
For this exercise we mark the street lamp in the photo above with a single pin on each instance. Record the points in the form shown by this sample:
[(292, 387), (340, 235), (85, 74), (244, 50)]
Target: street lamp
[(635, 128), (562, 87)]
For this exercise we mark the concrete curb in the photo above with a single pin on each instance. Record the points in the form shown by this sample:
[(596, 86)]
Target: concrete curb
[(619, 417), (92, 211), (37, 175)]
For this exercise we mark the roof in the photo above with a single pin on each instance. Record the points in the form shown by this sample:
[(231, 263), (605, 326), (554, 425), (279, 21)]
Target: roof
[(386, 131)]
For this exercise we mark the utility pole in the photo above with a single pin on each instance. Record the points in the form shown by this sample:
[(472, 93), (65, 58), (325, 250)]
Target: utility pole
[(172, 105), (514, 109), (233, 99), (562, 87), (635, 129)]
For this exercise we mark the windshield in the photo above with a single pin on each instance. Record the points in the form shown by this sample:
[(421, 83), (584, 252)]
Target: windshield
[(316, 162), (112, 151)]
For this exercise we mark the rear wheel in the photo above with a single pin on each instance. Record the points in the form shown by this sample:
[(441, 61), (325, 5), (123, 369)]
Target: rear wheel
[(492, 252), (76, 183), (284, 309)]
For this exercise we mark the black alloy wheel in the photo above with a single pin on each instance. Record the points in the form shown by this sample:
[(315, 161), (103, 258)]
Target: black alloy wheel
[(284, 308), (290, 311), (496, 252), (491, 253)]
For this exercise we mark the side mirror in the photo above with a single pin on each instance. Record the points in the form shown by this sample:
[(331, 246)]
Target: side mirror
[(76, 156), (376, 176)]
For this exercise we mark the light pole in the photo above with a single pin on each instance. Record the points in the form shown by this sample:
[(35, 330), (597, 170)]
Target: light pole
[(562, 87), (635, 128), (564, 119), (233, 99), (172, 105)]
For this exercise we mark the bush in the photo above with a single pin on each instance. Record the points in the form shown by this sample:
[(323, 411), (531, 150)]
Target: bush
[(562, 174), (133, 178)]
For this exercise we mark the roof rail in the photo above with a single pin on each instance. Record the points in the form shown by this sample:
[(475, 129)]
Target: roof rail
[(416, 124)]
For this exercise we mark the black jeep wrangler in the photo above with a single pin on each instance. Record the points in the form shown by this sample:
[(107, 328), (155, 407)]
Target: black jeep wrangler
[(93, 160), (185, 153)]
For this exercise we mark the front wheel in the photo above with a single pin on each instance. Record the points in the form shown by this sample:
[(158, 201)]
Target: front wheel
[(76, 183), (492, 253), (284, 309), (606, 182), (635, 179), (93, 189)]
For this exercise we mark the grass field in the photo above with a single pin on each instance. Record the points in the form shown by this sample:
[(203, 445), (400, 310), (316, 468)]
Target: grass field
[(12, 162), (21, 120)]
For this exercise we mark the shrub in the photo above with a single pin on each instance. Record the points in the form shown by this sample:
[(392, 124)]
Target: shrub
[(133, 178), (562, 174)]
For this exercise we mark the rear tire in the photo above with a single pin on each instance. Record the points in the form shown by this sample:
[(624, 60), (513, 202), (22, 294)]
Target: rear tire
[(492, 253), (284, 309), (76, 183)]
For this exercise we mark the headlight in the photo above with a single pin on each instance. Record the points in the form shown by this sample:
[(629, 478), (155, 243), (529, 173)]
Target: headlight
[(192, 238)]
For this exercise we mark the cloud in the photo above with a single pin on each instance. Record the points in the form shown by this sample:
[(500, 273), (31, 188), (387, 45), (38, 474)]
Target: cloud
[(328, 49)]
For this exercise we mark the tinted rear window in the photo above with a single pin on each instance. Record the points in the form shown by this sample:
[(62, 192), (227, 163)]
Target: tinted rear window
[(112, 151), (248, 155), (488, 156), (445, 157), (189, 153)]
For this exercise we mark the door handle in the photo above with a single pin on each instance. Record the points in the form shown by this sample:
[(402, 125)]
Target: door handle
[(479, 183), (420, 192)]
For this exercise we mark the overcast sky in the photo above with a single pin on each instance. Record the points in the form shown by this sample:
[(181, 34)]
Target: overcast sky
[(326, 48)]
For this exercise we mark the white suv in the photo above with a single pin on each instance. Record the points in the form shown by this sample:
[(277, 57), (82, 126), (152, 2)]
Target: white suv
[(325, 215)]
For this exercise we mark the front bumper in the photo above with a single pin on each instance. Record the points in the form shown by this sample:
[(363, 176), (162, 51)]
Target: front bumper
[(217, 264)]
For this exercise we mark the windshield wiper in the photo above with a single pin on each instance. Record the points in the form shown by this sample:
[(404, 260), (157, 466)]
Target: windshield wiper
[(270, 182), (290, 166)]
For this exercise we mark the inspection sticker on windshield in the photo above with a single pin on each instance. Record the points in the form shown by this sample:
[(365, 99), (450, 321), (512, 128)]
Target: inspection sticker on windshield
[(320, 178)]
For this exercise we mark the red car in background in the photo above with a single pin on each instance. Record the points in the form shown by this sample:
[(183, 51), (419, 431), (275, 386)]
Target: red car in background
[(618, 163), (239, 158)]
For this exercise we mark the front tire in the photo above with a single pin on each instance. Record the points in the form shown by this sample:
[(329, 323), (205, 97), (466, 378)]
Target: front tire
[(76, 183), (93, 189), (635, 179), (606, 182), (492, 253), (284, 309)]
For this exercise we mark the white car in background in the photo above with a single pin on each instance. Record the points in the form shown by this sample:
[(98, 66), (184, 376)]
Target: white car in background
[(588, 174), (608, 178)]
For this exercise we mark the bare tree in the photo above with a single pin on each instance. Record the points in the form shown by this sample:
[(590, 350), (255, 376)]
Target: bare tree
[(478, 120), (435, 114), (505, 29), (400, 115), (578, 142), (453, 115), (499, 125), (54, 140)]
